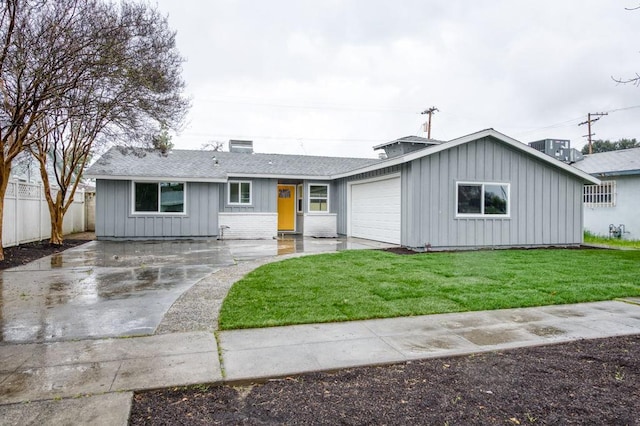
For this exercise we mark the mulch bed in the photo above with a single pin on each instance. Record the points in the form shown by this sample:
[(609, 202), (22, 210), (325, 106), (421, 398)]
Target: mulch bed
[(585, 382), (25, 253)]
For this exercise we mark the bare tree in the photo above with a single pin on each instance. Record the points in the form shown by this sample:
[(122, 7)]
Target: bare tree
[(213, 145), (629, 80), (84, 70), (632, 80), (64, 144)]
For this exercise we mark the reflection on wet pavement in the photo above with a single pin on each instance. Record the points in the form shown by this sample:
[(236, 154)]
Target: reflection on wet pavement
[(110, 289), (102, 289)]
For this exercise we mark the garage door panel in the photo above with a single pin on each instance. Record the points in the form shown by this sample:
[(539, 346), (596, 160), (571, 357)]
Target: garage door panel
[(375, 210)]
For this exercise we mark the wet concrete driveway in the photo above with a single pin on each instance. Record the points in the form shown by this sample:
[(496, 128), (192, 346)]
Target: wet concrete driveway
[(116, 289)]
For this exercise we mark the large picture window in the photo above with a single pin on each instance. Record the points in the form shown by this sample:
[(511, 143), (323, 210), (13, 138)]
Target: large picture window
[(159, 197), (318, 198), (239, 193), (482, 199)]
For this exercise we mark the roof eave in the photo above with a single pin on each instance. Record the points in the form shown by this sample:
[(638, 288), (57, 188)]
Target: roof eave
[(617, 173), (156, 178), (278, 176)]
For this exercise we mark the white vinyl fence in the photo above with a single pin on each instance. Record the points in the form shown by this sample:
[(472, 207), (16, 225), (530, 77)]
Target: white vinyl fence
[(26, 214)]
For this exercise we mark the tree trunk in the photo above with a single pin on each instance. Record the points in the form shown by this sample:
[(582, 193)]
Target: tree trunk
[(56, 211), (1, 222), (56, 230)]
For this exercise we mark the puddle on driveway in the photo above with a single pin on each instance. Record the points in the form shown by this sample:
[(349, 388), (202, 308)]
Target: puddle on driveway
[(101, 289), (121, 288)]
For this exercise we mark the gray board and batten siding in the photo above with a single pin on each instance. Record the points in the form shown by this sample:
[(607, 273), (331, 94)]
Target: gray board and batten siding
[(115, 219), (545, 196), (545, 201), (263, 196)]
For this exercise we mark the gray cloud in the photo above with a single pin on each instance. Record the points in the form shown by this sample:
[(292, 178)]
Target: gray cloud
[(291, 74)]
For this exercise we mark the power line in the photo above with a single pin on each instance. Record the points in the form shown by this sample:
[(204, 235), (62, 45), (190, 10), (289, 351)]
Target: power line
[(624, 108), (566, 123)]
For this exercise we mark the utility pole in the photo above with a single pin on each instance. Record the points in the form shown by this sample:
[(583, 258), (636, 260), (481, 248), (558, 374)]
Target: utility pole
[(588, 123), (429, 112)]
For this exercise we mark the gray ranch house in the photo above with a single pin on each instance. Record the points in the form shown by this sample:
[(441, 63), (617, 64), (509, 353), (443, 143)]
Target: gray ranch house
[(481, 190), (611, 208)]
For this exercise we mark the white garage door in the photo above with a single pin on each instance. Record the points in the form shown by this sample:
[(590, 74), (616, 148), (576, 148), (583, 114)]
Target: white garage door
[(375, 210)]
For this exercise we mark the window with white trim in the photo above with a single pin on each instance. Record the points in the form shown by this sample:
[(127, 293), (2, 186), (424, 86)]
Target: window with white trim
[(239, 193), (159, 197), (603, 195), (318, 198), (299, 198), (474, 199)]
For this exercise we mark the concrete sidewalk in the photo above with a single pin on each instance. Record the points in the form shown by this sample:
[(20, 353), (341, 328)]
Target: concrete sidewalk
[(280, 351), (91, 381)]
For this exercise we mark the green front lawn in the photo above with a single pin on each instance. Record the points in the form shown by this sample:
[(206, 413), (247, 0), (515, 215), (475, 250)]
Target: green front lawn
[(590, 238), (362, 284)]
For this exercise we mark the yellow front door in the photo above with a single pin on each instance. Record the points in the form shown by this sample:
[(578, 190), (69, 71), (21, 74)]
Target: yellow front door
[(286, 207)]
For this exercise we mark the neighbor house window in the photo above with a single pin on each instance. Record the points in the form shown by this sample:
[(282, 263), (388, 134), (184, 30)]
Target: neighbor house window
[(239, 193), (482, 199), (159, 197), (318, 198), (603, 195), (299, 198)]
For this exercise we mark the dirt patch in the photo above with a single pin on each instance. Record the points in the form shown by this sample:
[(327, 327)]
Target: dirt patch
[(400, 250), (584, 382), (25, 253)]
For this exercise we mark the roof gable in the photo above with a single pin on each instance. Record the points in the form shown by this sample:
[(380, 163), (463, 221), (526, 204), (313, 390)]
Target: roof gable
[(474, 137)]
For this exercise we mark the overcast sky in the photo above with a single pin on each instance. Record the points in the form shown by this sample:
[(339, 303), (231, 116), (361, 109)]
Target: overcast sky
[(332, 77)]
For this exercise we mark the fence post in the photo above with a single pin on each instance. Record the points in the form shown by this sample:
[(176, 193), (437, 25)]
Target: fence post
[(82, 211), (40, 197), (16, 191)]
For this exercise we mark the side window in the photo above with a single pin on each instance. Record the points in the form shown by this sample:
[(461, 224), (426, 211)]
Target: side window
[(299, 198), (318, 198), (482, 199), (239, 193), (146, 197), (469, 199), (171, 197), (159, 197), (603, 195)]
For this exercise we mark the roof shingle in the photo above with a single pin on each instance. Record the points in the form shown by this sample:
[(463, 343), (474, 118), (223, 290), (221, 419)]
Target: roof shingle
[(624, 161), (211, 165)]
